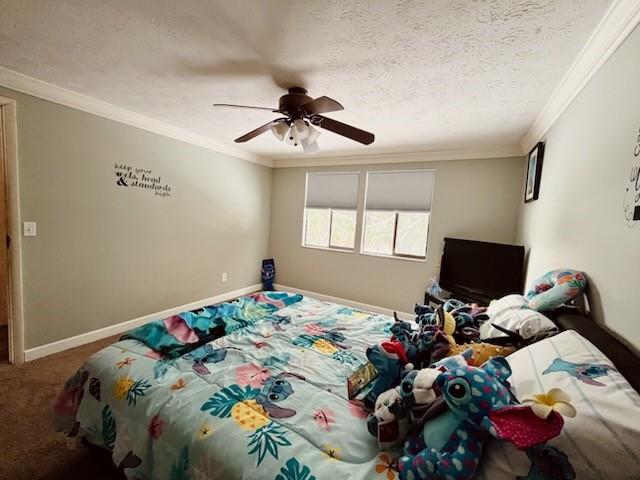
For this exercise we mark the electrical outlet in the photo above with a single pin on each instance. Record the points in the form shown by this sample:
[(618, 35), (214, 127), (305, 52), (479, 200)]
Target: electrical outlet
[(224, 277)]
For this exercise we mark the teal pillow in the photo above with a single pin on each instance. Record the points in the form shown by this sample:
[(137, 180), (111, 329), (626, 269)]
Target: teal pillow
[(556, 288)]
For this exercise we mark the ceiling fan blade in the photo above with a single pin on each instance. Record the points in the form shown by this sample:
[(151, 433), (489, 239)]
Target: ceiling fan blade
[(254, 133), (321, 105), (343, 129), (244, 106)]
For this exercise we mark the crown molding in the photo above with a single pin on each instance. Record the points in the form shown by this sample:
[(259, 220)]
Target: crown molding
[(53, 93), (409, 157), (620, 20)]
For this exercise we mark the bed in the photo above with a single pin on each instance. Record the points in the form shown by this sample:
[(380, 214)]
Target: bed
[(269, 400)]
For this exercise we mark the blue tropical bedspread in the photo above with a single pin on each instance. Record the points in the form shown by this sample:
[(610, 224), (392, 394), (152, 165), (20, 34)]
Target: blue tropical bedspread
[(268, 400)]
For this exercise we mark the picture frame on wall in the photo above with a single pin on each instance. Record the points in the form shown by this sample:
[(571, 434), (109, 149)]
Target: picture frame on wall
[(534, 173)]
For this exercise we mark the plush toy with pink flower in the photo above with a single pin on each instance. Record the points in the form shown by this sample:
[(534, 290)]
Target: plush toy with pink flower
[(480, 405)]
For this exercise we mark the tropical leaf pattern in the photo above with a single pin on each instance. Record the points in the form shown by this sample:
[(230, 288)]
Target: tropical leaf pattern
[(138, 389), (328, 322), (267, 440), (180, 469), (294, 471), (108, 428), (346, 357), (221, 404), (304, 341), (277, 360), (161, 367), (94, 388)]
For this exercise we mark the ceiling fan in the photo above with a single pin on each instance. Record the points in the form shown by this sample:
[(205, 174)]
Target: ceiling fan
[(301, 114)]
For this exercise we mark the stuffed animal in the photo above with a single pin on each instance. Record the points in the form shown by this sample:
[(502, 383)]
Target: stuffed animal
[(454, 362), (482, 352), (420, 310), (432, 344), (481, 405), (407, 404), (401, 331), (434, 338), (416, 387), (388, 422), (389, 359), (395, 408), (452, 304), (448, 330), (441, 318)]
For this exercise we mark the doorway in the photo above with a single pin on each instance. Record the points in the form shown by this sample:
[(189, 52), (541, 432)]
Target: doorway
[(5, 285), (11, 312)]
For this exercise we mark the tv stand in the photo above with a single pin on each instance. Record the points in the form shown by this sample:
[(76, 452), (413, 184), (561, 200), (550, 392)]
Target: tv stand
[(437, 300)]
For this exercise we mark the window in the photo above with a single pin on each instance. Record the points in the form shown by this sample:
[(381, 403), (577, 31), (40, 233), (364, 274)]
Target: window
[(397, 212), (330, 210)]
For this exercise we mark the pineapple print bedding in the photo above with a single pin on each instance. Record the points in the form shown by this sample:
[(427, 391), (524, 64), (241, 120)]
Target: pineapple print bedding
[(267, 401)]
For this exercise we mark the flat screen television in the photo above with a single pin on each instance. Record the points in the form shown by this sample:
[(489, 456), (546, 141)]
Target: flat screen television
[(481, 270)]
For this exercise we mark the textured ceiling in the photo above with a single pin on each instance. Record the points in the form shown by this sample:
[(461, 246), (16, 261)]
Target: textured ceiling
[(421, 75)]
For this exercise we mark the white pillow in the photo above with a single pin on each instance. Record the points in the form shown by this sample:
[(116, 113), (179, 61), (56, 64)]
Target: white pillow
[(603, 440), (508, 302), (512, 312)]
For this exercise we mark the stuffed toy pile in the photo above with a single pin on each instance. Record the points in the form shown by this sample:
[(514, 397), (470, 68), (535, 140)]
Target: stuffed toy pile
[(446, 413), (444, 395), (448, 330)]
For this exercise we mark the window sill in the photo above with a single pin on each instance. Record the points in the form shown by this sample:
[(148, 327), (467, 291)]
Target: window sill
[(329, 249), (395, 257)]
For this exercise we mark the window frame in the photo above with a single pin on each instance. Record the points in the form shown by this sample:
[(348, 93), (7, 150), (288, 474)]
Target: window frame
[(394, 254), (329, 247)]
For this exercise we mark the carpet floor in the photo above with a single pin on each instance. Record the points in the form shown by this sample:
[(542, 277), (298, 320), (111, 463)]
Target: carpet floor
[(29, 448)]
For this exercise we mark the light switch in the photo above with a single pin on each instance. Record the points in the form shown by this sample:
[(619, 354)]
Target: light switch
[(29, 229)]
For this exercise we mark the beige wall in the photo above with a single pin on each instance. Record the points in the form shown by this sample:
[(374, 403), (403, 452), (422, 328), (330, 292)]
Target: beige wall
[(578, 221), (105, 254), (474, 199)]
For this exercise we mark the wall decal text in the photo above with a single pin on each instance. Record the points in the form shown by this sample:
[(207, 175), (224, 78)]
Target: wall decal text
[(141, 178), (631, 202)]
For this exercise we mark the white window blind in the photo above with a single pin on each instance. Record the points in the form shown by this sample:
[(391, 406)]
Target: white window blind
[(408, 190), (332, 190)]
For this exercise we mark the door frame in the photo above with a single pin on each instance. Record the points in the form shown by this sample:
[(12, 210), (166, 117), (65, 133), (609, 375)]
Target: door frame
[(16, 316)]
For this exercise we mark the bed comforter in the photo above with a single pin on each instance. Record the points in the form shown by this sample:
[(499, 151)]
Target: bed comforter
[(267, 401)]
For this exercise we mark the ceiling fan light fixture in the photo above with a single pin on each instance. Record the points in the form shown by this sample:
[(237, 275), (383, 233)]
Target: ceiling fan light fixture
[(279, 130), (301, 129), (301, 133), (313, 135), (310, 147), (292, 137)]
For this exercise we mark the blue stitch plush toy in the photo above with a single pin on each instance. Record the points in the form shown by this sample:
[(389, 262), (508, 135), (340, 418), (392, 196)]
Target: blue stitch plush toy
[(401, 331), (390, 359), (481, 405)]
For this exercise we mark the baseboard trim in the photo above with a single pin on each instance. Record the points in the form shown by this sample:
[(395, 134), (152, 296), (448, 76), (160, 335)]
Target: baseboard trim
[(88, 337), (349, 303)]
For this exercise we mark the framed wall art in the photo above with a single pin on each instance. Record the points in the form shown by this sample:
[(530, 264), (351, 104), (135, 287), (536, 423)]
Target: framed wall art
[(534, 173)]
